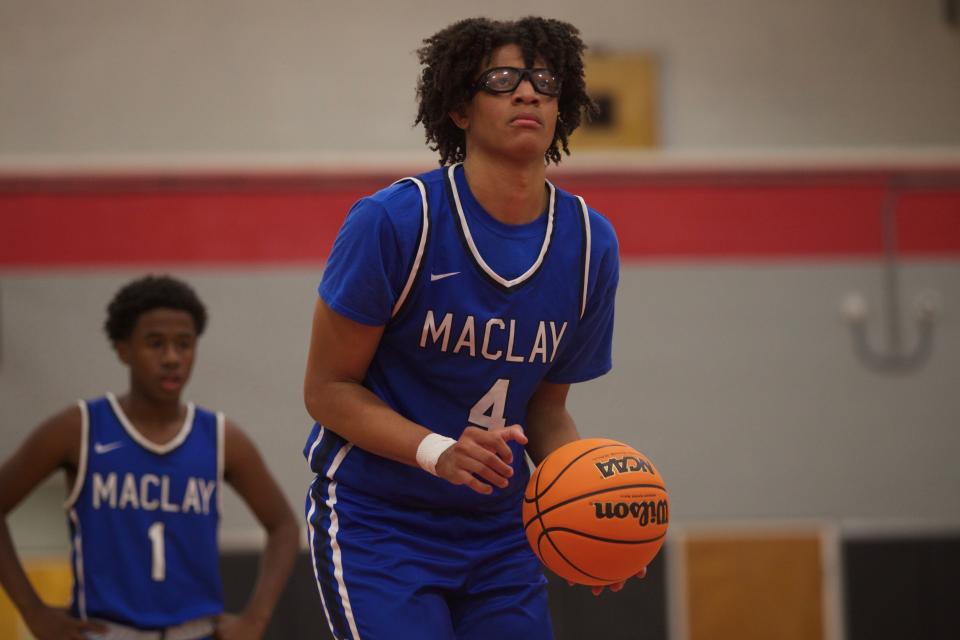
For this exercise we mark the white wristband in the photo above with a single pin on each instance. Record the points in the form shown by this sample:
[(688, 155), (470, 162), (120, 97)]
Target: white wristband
[(430, 449)]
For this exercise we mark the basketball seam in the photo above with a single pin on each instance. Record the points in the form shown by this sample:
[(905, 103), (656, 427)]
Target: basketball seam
[(545, 534), (602, 539)]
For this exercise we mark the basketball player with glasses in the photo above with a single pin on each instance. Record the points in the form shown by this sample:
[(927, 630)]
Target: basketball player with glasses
[(455, 310), (145, 474)]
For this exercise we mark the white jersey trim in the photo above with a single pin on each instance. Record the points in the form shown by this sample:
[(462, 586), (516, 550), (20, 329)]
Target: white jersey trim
[(78, 564), (221, 456), (313, 535), (144, 442), (586, 257), (424, 232), (334, 544), (473, 247), (81, 478)]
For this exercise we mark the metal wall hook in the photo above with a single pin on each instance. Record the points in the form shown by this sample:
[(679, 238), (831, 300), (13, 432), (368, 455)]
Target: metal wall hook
[(895, 358)]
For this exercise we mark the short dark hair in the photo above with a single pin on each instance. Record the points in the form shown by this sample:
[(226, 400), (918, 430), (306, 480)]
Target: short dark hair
[(452, 57), (146, 294)]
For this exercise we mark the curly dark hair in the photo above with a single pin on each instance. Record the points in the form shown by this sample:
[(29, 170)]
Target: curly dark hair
[(146, 294), (453, 57)]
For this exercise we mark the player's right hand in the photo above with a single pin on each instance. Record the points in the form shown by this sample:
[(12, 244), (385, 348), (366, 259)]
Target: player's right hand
[(481, 459), (48, 623), (617, 586)]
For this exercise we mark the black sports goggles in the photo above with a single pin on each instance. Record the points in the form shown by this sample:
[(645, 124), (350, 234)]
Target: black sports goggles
[(507, 79)]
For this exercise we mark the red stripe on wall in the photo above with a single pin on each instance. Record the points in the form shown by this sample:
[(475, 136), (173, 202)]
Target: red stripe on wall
[(743, 221), (135, 228), (930, 222), (270, 220)]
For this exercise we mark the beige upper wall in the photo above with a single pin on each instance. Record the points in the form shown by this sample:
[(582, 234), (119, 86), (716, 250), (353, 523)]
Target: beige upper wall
[(112, 78)]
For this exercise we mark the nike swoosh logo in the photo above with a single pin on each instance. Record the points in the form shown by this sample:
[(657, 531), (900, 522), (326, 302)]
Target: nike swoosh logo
[(440, 276), (101, 448)]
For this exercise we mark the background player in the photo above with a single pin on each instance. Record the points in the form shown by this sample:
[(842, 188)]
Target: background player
[(455, 310), (144, 474)]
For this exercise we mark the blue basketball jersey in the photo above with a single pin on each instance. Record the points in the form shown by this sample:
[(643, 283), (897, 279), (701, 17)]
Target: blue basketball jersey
[(476, 313), (143, 519)]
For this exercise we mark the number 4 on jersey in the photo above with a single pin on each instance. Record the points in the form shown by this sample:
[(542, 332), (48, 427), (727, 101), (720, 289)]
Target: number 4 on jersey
[(488, 411)]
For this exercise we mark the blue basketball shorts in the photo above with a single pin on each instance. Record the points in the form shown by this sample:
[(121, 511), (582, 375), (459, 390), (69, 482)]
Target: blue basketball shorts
[(387, 572)]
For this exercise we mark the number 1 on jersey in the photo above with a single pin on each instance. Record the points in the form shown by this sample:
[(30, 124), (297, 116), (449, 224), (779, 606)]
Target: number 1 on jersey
[(488, 411), (159, 570)]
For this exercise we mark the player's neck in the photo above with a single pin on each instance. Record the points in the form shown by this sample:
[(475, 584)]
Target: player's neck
[(154, 418), (512, 193)]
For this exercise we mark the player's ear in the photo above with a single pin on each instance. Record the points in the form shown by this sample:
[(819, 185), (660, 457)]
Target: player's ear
[(122, 347), (460, 117)]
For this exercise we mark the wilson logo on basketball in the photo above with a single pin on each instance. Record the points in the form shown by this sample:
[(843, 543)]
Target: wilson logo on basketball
[(646, 512), (624, 464)]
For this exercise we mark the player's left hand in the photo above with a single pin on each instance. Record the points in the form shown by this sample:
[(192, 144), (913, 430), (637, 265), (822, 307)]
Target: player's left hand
[(616, 586), (238, 627)]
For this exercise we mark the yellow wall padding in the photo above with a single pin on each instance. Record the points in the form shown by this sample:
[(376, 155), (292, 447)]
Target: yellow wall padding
[(52, 579), (754, 587), (626, 83)]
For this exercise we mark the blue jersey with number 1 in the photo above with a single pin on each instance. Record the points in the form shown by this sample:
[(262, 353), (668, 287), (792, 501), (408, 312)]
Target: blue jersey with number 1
[(477, 314), (143, 520)]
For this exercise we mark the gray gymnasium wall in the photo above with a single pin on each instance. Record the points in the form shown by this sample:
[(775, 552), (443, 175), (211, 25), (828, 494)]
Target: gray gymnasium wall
[(114, 79), (738, 380)]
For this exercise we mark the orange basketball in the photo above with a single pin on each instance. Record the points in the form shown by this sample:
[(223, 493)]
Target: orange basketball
[(596, 511)]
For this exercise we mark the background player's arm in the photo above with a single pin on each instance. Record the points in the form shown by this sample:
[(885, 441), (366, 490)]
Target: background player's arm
[(340, 353), (53, 445), (246, 472), (549, 423)]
